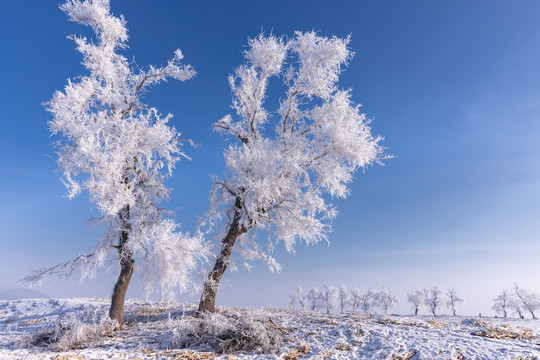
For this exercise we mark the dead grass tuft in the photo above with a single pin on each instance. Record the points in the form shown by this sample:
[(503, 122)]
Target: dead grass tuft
[(504, 333), (67, 357), (152, 311), (407, 355), (343, 347), (436, 324), (390, 321), (33, 322), (177, 355), (296, 353)]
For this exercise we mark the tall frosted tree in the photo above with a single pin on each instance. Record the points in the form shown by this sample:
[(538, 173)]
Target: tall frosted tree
[(284, 162), (120, 150)]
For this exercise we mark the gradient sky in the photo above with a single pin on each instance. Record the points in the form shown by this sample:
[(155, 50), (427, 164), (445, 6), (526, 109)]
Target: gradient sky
[(453, 86)]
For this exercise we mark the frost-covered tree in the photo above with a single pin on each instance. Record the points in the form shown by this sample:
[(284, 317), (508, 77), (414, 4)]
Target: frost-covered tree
[(433, 299), (329, 297), (344, 297), (385, 300), (314, 297), (529, 301), (515, 305), (284, 161), (501, 303), (453, 300), (368, 301), (416, 299), (299, 298), (120, 150), (356, 298)]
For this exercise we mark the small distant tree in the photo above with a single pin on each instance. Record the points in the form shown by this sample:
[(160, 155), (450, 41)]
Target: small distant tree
[(329, 297), (368, 301), (120, 150), (283, 162), (386, 300), (453, 300), (529, 301), (313, 297), (299, 298), (515, 305), (356, 298), (416, 298), (501, 303), (344, 297), (433, 299)]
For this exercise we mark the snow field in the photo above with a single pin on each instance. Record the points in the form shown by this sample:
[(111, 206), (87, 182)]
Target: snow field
[(63, 329)]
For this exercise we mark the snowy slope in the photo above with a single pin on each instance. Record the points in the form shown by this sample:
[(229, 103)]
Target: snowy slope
[(64, 329)]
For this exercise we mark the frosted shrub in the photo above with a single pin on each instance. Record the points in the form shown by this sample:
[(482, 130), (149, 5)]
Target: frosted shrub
[(72, 334), (77, 334), (228, 332)]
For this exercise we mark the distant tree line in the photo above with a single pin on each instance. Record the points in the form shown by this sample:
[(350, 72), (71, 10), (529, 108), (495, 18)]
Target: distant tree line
[(342, 299), (371, 301), (517, 300)]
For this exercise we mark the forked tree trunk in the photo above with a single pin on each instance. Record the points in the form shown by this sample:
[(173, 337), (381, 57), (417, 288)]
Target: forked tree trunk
[(116, 311), (211, 284)]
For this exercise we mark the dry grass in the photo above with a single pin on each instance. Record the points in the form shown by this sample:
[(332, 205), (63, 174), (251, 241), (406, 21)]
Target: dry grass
[(407, 355), (436, 324), (33, 322), (504, 333), (177, 355), (152, 311), (391, 321), (296, 353), (326, 354), (67, 357), (343, 347)]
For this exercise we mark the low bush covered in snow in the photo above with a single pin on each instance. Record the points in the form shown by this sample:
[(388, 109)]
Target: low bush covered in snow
[(229, 331)]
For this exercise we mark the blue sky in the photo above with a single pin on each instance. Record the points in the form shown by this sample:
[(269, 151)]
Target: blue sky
[(454, 87)]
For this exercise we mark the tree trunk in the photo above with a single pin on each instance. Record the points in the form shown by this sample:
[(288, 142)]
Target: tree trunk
[(416, 310), (208, 296), (116, 311)]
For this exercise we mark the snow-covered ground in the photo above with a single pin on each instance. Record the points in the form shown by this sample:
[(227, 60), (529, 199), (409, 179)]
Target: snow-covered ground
[(65, 329)]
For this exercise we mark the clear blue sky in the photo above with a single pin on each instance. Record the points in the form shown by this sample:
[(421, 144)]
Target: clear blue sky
[(453, 86)]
